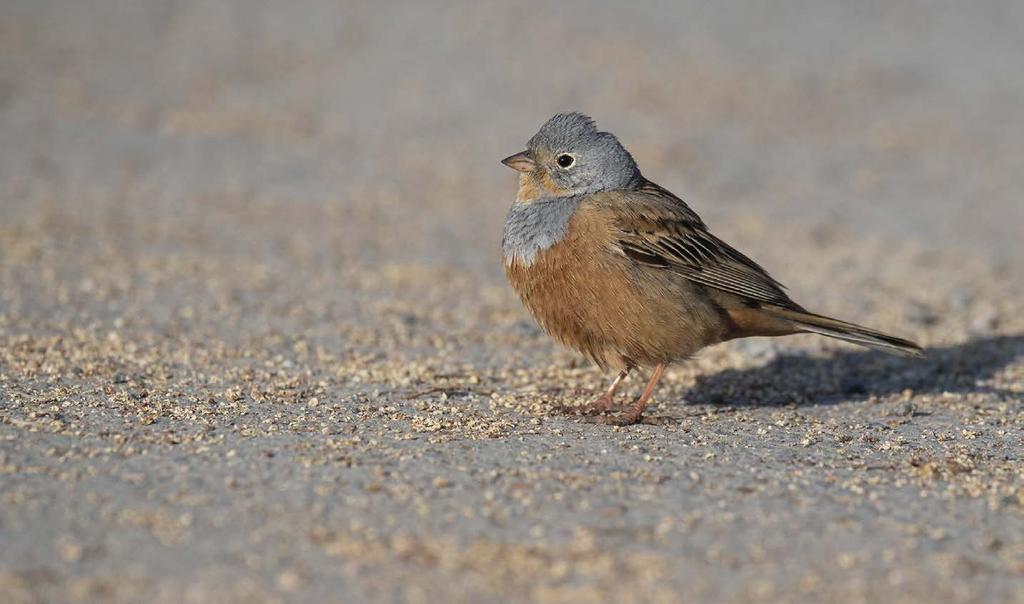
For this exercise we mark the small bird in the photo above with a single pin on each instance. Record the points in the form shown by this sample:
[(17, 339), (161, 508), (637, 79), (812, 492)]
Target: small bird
[(623, 271)]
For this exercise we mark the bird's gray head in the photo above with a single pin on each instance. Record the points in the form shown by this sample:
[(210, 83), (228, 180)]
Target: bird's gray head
[(569, 156)]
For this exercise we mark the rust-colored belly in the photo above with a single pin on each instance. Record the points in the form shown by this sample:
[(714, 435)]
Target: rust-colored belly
[(596, 301)]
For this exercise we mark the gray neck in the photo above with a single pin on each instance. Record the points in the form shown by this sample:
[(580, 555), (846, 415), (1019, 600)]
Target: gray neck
[(535, 226)]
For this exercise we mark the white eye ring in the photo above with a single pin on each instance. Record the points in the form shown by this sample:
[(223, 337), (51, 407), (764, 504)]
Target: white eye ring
[(565, 160)]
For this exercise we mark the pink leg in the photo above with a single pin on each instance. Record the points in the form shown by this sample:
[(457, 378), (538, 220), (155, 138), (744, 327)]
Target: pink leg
[(607, 400), (632, 415)]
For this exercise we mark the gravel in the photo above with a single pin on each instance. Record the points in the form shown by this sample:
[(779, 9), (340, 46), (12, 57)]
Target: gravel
[(256, 345)]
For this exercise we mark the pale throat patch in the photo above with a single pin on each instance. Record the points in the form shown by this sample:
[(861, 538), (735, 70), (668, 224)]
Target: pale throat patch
[(533, 227)]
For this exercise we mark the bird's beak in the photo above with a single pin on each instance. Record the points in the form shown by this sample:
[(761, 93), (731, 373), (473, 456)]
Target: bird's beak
[(521, 162)]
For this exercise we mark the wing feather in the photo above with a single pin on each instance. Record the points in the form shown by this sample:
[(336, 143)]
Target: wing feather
[(658, 230)]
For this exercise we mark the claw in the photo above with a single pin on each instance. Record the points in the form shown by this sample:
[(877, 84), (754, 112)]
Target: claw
[(618, 419), (636, 410), (606, 402)]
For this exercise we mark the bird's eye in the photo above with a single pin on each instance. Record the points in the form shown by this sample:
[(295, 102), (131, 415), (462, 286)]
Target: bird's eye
[(565, 160)]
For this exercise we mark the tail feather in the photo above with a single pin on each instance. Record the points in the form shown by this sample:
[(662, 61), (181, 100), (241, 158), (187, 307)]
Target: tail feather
[(849, 332)]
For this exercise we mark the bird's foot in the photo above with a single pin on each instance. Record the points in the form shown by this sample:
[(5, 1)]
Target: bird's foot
[(628, 417), (633, 413), (602, 404)]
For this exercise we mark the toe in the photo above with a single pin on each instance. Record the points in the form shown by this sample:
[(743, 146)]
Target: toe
[(618, 419)]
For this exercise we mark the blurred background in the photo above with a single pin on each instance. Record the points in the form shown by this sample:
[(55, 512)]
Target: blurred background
[(215, 211), (899, 119)]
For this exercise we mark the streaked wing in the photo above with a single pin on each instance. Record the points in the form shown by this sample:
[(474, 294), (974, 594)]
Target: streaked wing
[(657, 229)]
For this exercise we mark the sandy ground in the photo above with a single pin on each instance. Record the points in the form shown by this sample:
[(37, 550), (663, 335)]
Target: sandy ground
[(256, 346)]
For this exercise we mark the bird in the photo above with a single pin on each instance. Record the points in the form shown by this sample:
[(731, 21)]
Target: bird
[(625, 272)]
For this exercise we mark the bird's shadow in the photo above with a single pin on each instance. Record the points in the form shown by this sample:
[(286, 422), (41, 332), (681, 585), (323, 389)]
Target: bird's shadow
[(858, 375)]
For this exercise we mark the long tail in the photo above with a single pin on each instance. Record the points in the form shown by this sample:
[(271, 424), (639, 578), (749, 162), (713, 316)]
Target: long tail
[(834, 328)]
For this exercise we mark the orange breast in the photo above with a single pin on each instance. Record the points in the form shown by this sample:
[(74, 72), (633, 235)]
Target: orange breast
[(589, 296)]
